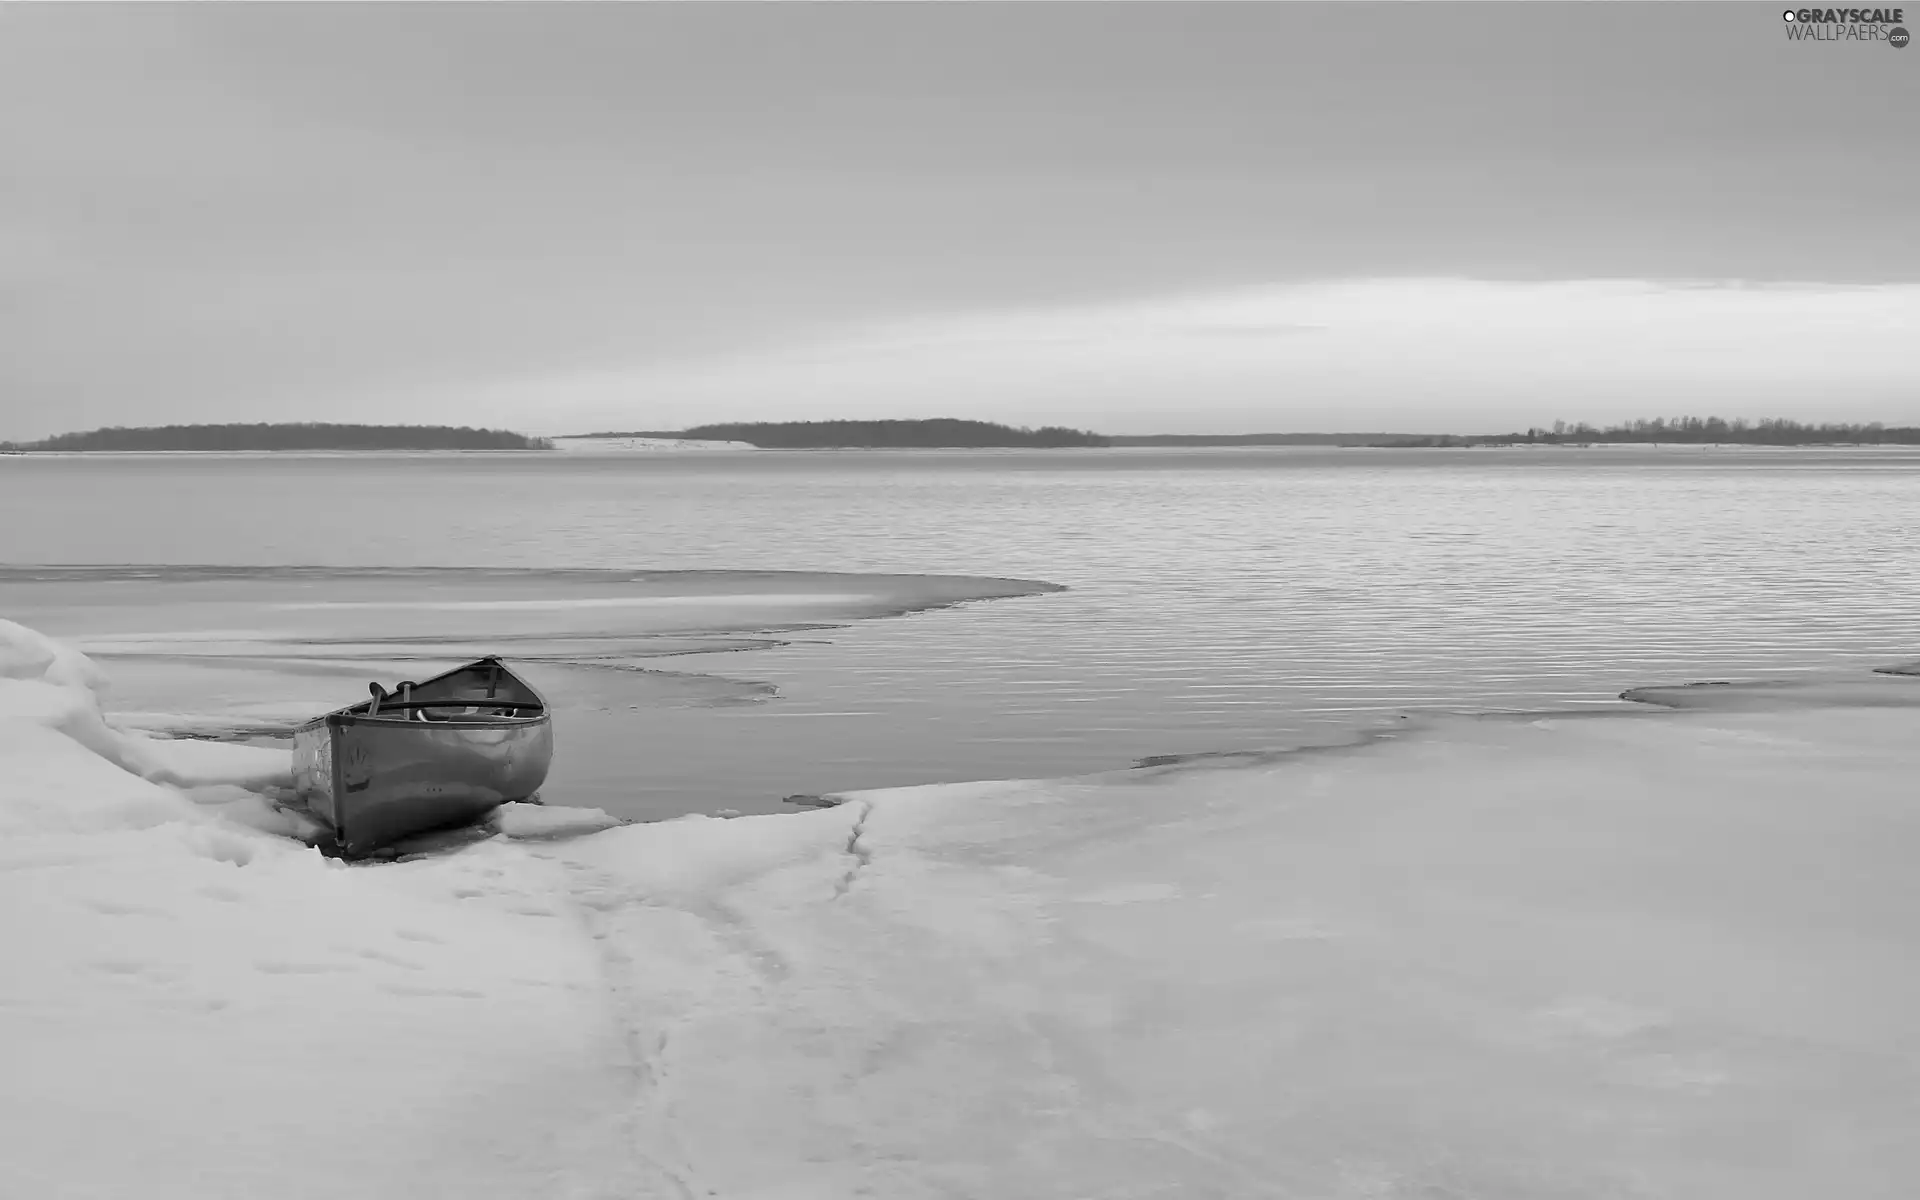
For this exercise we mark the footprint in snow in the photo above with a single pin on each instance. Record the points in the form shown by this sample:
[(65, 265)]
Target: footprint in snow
[(131, 969), (114, 908), (401, 989), (392, 960)]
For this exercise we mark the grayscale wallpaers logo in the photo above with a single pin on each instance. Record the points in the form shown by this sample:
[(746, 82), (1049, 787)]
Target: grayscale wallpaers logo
[(1847, 25)]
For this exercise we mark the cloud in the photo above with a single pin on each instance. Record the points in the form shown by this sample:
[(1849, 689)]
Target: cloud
[(1413, 352), (226, 212)]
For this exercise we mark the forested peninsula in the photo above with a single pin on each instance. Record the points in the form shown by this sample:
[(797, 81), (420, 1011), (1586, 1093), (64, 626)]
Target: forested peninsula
[(301, 436), (1682, 431), (1657, 430)]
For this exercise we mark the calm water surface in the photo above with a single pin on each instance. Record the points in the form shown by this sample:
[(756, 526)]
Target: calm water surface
[(1220, 600)]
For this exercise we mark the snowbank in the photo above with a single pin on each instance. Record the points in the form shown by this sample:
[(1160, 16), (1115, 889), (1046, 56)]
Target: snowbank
[(549, 821), (51, 688), (193, 1006), (1664, 955)]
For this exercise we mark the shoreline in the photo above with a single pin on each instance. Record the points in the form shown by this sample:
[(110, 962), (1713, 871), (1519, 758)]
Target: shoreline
[(727, 449), (242, 654), (1893, 686), (1651, 940), (649, 601)]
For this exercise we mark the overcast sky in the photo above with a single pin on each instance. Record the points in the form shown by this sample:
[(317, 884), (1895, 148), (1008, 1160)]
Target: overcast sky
[(1138, 217)]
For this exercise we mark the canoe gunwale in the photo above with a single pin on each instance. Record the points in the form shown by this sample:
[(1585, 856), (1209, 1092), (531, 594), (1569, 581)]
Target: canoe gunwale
[(362, 711), (340, 719)]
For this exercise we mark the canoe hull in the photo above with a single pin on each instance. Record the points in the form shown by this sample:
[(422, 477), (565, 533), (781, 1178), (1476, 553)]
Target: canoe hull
[(375, 778)]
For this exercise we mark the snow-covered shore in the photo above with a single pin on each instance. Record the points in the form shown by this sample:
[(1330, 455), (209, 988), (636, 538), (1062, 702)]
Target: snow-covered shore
[(643, 445), (1654, 955)]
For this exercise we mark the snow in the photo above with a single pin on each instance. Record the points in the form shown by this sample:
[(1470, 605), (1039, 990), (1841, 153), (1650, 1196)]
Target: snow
[(548, 821), (1663, 954), (194, 1005), (643, 445)]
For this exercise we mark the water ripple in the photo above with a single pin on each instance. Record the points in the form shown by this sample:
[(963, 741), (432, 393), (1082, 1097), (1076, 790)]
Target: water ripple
[(1218, 601)]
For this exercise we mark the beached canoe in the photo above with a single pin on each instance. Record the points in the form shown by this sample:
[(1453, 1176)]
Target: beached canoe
[(425, 756)]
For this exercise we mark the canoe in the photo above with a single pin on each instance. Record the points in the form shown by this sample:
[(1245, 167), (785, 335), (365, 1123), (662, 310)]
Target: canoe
[(424, 756)]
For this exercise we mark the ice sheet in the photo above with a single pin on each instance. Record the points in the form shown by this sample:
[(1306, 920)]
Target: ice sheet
[(1671, 955), (548, 821), (256, 651)]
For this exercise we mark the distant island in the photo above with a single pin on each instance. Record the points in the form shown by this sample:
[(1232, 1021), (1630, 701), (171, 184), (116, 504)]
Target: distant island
[(938, 433), (302, 436), (947, 433), (1680, 431)]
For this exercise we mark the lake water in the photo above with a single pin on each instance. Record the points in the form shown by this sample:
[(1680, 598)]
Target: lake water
[(1220, 600)]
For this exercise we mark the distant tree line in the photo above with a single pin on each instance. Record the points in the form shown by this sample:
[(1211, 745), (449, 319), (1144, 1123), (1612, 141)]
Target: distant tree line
[(934, 433), (302, 436), (1773, 431)]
